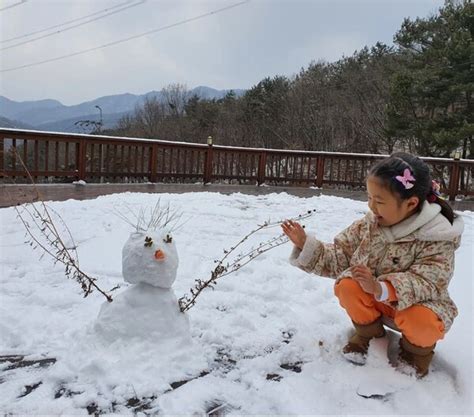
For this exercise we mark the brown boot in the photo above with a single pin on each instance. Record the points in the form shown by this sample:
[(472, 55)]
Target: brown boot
[(358, 345), (416, 357)]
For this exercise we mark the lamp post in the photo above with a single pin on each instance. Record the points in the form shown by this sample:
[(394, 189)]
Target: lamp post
[(101, 160), (208, 162), (455, 175), (100, 121)]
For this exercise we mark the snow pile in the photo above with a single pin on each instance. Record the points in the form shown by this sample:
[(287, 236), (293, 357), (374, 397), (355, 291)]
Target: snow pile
[(148, 310), (142, 329), (146, 313)]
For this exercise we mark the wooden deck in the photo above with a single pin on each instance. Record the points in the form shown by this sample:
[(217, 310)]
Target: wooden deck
[(12, 194)]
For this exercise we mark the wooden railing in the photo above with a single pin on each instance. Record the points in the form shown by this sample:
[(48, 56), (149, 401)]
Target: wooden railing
[(60, 157)]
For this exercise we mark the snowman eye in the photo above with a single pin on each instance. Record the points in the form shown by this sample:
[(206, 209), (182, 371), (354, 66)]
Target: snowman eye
[(168, 239), (148, 242)]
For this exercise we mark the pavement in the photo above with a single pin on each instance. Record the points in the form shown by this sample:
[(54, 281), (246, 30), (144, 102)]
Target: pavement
[(15, 194)]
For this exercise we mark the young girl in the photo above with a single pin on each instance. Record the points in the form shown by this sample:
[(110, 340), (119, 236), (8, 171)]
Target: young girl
[(394, 265)]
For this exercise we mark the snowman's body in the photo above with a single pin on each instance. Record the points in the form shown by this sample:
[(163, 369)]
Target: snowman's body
[(148, 309)]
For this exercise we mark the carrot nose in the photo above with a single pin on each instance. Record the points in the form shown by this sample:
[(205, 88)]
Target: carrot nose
[(159, 255)]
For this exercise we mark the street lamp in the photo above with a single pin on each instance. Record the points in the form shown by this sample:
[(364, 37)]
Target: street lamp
[(100, 121), (101, 160)]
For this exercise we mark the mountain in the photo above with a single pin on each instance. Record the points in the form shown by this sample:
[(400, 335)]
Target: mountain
[(208, 93), (55, 116), (42, 115), (109, 121), (13, 124), (11, 109)]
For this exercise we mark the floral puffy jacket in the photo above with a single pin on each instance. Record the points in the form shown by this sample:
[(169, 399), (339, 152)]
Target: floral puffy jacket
[(416, 256)]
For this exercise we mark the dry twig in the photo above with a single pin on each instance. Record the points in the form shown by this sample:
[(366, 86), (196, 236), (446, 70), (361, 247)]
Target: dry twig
[(36, 216), (157, 218), (225, 268)]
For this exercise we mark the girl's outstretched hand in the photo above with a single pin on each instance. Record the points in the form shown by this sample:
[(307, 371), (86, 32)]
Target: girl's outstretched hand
[(295, 233)]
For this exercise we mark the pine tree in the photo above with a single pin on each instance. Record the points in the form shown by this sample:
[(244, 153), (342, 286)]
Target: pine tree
[(431, 96)]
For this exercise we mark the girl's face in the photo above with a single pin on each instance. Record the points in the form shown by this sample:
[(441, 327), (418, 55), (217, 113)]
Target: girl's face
[(388, 208)]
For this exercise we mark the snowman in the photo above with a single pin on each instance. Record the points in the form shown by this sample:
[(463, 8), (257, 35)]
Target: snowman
[(148, 310)]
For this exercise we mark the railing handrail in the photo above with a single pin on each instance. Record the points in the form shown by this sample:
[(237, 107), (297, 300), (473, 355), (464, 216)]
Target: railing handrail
[(121, 139), (39, 134)]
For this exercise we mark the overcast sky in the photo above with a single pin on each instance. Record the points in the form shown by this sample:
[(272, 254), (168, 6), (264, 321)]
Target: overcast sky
[(233, 48)]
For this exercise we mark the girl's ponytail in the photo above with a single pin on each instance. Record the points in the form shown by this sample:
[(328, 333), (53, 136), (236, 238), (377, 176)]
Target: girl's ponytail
[(446, 209)]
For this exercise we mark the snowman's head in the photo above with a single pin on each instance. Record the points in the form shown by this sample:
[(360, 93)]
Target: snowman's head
[(150, 257)]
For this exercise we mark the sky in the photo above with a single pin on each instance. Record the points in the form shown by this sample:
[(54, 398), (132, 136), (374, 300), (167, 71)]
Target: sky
[(221, 44)]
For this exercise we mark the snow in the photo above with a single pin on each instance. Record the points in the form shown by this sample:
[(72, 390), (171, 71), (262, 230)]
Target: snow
[(380, 380), (148, 311), (139, 263), (145, 313), (266, 340)]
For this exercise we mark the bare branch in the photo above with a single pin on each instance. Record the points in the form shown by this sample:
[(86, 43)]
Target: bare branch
[(53, 244), (223, 269), (158, 218)]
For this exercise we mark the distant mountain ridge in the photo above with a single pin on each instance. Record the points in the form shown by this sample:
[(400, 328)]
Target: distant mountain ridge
[(54, 116), (13, 124)]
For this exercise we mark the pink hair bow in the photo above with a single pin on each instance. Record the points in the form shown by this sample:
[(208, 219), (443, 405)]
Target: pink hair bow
[(435, 192), (406, 178), (435, 188)]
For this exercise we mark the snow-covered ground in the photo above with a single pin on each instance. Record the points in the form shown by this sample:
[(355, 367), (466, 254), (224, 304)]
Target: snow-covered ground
[(267, 340)]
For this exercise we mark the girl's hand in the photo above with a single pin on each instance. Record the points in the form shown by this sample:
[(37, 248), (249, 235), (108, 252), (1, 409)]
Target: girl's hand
[(295, 233), (364, 277)]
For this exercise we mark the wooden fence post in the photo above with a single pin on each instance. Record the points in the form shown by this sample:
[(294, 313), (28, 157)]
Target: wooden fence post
[(2, 154), (153, 162), (81, 159), (320, 171), (262, 164), (208, 162), (454, 180)]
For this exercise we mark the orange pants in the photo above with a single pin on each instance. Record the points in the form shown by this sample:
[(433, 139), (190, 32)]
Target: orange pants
[(420, 325)]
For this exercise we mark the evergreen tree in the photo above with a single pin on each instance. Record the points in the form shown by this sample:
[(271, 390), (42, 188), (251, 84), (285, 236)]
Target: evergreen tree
[(265, 108), (431, 96)]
